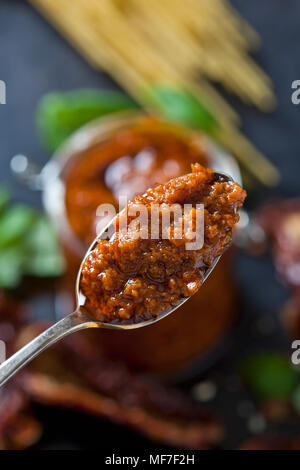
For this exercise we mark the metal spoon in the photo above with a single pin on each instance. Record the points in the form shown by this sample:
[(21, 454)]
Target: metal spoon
[(79, 321)]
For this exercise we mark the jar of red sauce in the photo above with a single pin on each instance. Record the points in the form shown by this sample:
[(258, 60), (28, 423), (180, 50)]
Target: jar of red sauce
[(123, 155)]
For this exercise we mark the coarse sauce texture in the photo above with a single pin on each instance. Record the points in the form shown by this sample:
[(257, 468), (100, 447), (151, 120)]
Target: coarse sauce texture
[(129, 279), (128, 162)]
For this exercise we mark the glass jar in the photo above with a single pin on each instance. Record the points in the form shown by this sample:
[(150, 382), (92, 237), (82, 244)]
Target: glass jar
[(186, 336)]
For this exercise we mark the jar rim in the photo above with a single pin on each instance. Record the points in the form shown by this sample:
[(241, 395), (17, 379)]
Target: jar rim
[(94, 132)]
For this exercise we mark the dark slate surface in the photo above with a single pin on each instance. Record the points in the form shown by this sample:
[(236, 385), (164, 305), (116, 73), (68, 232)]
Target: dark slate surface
[(34, 59)]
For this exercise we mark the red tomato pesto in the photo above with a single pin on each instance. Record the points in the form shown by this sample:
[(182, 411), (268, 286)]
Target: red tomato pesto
[(128, 162), (129, 279)]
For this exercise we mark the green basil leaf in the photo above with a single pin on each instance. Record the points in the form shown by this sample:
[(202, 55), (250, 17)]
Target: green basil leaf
[(4, 198), (269, 376), (58, 115), (28, 245), (44, 265), (183, 107), (11, 261), (14, 223), (41, 237), (43, 257)]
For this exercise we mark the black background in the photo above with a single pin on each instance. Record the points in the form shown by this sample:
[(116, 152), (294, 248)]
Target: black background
[(34, 59)]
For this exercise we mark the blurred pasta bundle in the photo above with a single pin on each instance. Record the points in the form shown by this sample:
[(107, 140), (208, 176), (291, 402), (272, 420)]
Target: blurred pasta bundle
[(148, 45)]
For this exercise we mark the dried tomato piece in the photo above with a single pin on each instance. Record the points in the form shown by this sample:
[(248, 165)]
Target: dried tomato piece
[(271, 443), (281, 222), (18, 428), (70, 375), (290, 316)]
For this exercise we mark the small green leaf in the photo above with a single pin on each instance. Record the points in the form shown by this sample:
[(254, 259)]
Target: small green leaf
[(58, 115), (4, 197), (183, 107), (41, 236), (28, 245), (43, 256), (14, 223), (11, 260), (44, 265), (269, 376)]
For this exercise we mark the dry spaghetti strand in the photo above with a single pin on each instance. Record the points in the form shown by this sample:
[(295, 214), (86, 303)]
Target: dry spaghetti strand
[(189, 44)]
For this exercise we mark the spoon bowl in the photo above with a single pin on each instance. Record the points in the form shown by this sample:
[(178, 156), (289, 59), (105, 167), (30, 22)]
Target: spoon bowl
[(79, 320)]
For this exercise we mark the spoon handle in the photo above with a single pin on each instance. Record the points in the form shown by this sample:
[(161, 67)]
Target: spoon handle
[(73, 322)]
